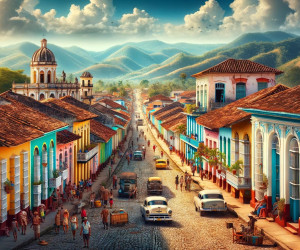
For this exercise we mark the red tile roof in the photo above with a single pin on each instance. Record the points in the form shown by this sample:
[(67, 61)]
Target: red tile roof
[(65, 136), (174, 121), (112, 104), (230, 114), (120, 122), (238, 66), (81, 114), (123, 114), (188, 94), (166, 108), (286, 101), (101, 130), (160, 98), (165, 115)]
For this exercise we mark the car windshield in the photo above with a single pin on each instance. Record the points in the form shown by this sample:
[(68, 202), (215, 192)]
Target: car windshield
[(212, 196), (131, 181), (159, 202), (161, 162), (154, 182)]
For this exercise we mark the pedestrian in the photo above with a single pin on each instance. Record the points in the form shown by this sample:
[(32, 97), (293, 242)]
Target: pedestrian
[(193, 169), (148, 143), (86, 232), (137, 139), (145, 137), (23, 219), (54, 200), (105, 196), (61, 210), (130, 154), (115, 180), (162, 154), (185, 179), (182, 161), (154, 148), (57, 221), (104, 216), (36, 225), (189, 183), (81, 184), (181, 182), (83, 214), (168, 163), (111, 201), (101, 194), (90, 184), (171, 149), (42, 212), (177, 181), (14, 227), (74, 224), (92, 199), (66, 221)]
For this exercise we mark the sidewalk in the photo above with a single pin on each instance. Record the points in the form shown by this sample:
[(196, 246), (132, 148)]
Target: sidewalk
[(23, 240), (272, 230)]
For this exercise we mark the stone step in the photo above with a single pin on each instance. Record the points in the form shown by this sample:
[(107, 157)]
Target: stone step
[(293, 225), (291, 230)]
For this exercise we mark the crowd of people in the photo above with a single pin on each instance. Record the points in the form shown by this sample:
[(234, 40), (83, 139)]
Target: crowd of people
[(184, 182)]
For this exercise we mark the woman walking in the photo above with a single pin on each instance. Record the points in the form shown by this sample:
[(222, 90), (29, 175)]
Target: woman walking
[(181, 182), (111, 200), (74, 224), (14, 227), (177, 181), (66, 221)]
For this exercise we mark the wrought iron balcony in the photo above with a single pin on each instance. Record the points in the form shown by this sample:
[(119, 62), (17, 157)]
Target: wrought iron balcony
[(55, 182), (189, 140), (83, 157), (238, 182)]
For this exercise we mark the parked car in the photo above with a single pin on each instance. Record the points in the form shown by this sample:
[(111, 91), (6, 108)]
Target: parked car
[(128, 183), (161, 163), (154, 185), (155, 208), (137, 155), (210, 200)]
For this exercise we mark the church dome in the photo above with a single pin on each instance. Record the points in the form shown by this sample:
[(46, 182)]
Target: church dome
[(86, 74), (43, 55)]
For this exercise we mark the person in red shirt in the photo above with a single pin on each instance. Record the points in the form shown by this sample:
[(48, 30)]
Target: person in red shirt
[(83, 213), (154, 148)]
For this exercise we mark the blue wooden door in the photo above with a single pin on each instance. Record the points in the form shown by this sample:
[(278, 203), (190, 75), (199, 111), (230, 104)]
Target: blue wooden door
[(240, 90)]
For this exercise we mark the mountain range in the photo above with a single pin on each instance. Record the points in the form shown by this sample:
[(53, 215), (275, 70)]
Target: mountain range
[(156, 60)]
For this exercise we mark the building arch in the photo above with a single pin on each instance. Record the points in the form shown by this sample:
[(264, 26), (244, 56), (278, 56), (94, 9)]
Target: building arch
[(42, 96), (275, 171), (49, 76), (52, 95), (34, 76), (258, 154), (32, 95), (42, 76)]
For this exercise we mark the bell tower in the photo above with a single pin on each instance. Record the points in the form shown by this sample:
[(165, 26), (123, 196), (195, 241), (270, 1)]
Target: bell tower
[(86, 87)]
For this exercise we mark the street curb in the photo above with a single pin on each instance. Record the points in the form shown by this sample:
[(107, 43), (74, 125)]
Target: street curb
[(231, 210)]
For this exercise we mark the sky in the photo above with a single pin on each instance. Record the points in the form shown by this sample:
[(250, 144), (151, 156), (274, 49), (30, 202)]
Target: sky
[(98, 24)]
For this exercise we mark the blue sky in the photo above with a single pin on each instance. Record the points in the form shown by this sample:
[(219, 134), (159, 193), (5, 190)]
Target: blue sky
[(97, 24)]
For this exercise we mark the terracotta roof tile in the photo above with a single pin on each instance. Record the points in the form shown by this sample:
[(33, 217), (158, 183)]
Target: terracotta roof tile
[(286, 101), (174, 121), (101, 130), (165, 115), (238, 66), (188, 94), (112, 104), (230, 114), (160, 98), (65, 136), (123, 114), (167, 107), (30, 116), (81, 114)]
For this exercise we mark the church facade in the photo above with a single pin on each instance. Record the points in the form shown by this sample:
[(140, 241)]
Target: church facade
[(44, 83)]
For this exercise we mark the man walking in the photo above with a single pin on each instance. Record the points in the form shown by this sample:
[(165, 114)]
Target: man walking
[(23, 219), (36, 225), (104, 216), (86, 232)]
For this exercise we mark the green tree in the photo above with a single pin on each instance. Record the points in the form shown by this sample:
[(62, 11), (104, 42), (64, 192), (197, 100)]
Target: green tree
[(183, 78), (8, 76), (123, 92), (113, 89), (144, 83)]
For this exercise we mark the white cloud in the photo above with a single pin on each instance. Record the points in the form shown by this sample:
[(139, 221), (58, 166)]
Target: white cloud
[(293, 19)]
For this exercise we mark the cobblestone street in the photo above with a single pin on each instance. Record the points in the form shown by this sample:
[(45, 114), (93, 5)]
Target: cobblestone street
[(187, 231)]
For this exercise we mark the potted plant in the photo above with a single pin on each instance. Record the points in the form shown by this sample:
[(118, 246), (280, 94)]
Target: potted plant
[(236, 166), (7, 185), (280, 219), (55, 173)]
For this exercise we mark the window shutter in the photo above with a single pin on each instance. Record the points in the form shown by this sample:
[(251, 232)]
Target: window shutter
[(3, 200)]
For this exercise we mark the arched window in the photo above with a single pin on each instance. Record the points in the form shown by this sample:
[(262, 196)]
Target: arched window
[(294, 168), (205, 96), (220, 92), (32, 96), (42, 97), (235, 148), (240, 90), (82, 82), (245, 154), (66, 159), (42, 76), (37, 170), (44, 173), (60, 160), (49, 76), (51, 160), (52, 95), (275, 168), (221, 144), (201, 96), (34, 77), (89, 82), (259, 193)]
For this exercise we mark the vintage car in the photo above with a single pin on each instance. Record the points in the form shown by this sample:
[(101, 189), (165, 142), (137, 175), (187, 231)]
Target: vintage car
[(155, 208), (210, 200), (128, 181), (137, 155), (154, 185), (160, 163)]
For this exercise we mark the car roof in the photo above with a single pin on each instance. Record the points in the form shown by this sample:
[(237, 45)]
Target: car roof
[(157, 198), (162, 160), (210, 191), (154, 178), (128, 175)]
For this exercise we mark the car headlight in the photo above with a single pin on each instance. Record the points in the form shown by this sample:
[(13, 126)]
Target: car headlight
[(170, 211), (147, 211)]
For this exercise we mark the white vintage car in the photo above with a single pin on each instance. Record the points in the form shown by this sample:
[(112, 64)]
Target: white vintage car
[(155, 208), (210, 200)]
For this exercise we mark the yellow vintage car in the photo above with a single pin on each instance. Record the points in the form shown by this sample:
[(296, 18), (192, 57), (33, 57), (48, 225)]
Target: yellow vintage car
[(161, 163)]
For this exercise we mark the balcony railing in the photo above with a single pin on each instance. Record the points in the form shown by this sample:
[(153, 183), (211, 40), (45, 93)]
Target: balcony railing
[(55, 182), (86, 156), (65, 174), (189, 140), (46, 85), (238, 182)]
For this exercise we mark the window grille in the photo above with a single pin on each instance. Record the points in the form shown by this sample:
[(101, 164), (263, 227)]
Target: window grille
[(294, 169), (259, 192)]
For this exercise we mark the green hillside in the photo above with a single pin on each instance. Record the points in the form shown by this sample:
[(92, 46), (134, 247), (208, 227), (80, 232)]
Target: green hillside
[(104, 71), (123, 62), (8, 76)]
